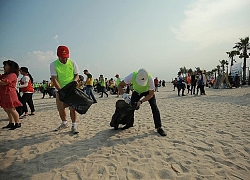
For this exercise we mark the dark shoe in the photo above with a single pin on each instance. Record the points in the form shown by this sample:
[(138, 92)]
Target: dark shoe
[(183, 95), (94, 102), (100, 97), (107, 95), (10, 125), (161, 132), (126, 127), (17, 125)]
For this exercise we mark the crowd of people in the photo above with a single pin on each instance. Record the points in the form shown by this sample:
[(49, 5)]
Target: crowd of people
[(16, 95), (194, 83)]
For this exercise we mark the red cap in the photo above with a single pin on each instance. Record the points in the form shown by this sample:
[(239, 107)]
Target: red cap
[(63, 52)]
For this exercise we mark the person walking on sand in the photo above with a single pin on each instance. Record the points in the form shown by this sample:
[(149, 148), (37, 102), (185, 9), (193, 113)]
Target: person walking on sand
[(200, 83), (193, 82), (89, 85), (45, 86), (143, 85), (117, 82), (103, 86), (180, 84), (63, 71), (8, 96), (156, 82), (27, 90), (188, 80)]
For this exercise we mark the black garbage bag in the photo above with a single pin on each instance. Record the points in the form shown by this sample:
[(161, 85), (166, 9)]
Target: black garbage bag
[(123, 113), (75, 98)]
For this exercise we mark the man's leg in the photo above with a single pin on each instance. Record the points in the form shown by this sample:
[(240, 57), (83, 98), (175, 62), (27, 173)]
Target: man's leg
[(155, 112), (62, 113), (178, 89), (156, 116), (73, 116), (87, 91), (92, 95)]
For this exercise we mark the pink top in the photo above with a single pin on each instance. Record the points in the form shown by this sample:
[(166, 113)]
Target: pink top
[(8, 93)]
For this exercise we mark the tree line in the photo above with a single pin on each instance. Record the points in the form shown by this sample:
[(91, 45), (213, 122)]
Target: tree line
[(240, 49)]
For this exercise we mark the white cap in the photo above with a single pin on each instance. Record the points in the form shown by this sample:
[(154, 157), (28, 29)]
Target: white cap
[(142, 77)]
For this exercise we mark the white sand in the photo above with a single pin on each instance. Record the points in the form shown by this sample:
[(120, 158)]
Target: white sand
[(208, 137)]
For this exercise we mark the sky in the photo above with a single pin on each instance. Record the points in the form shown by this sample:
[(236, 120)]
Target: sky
[(121, 36)]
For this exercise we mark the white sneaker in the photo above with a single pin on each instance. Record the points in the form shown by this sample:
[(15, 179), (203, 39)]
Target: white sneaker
[(74, 130), (61, 127)]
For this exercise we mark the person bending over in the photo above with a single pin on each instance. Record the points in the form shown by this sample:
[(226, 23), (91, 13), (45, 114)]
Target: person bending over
[(143, 85)]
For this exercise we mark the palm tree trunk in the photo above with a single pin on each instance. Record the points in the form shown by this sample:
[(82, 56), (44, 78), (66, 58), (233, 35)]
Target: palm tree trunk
[(232, 63), (244, 71)]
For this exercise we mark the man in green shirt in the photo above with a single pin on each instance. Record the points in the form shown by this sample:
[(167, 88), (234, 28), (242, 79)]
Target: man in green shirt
[(103, 86), (143, 85), (63, 71), (118, 81)]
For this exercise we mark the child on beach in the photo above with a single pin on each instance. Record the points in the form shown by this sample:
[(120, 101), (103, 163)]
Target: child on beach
[(8, 96)]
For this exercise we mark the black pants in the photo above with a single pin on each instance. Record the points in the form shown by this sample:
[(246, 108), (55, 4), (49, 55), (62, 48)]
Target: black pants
[(155, 111), (45, 92), (199, 86), (19, 109), (179, 88), (103, 90), (193, 88), (188, 88), (203, 89), (27, 98), (174, 86)]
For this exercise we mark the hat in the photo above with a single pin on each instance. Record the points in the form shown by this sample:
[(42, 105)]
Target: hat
[(116, 75), (81, 77), (63, 52), (142, 77)]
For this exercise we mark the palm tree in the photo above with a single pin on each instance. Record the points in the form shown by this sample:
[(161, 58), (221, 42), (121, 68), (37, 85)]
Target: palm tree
[(214, 71), (183, 70), (209, 74), (227, 66), (231, 55), (218, 69), (243, 46), (190, 71), (197, 69), (223, 63)]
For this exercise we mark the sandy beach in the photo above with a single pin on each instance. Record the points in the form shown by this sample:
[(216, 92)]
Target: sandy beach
[(208, 137)]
